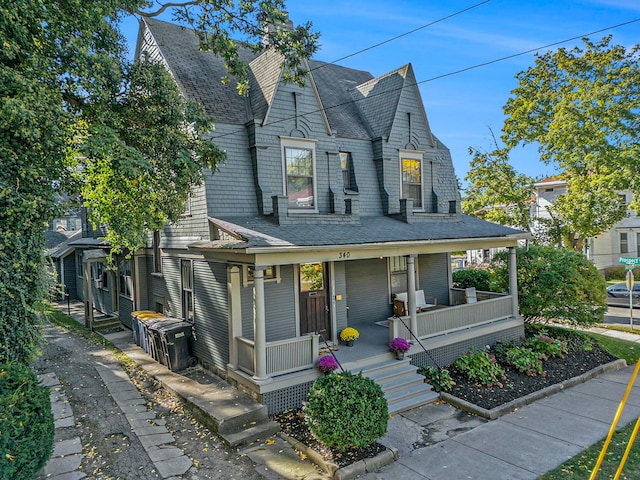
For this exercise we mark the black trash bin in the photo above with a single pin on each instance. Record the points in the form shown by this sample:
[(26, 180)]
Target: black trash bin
[(175, 339)]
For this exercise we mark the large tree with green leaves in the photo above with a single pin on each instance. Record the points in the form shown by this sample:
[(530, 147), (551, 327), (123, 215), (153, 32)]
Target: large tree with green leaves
[(77, 116), (497, 192), (581, 107)]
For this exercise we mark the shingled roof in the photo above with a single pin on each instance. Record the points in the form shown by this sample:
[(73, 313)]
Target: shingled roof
[(261, 232)]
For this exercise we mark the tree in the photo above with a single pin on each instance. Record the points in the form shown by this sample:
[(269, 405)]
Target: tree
[(496, 192), (555, 284), (582, 108), (76, 116)]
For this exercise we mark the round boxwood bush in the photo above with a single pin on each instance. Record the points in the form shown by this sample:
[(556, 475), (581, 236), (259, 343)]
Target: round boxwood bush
[(26, 423), (346, 410)]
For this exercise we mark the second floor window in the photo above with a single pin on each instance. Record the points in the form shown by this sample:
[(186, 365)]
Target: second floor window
[(411, 165), (125, 278), (624, 242), (345, 166), (299, 169)]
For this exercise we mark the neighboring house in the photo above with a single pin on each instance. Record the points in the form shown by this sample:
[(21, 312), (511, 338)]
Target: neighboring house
[(62, 256), (334, 197), (605, 250)]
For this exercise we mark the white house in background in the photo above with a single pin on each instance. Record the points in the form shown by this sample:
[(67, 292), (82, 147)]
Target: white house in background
[(605, 250)]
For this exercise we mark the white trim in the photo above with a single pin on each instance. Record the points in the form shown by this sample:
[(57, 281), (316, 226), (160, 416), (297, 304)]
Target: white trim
[(417, 273), (289, 142), (413, 155), (245, 275)]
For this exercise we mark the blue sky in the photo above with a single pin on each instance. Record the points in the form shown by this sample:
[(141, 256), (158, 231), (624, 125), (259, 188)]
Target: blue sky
[(462, 107)]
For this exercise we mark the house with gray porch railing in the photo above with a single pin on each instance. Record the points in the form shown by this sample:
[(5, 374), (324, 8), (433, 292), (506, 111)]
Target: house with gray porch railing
[(334, 198)]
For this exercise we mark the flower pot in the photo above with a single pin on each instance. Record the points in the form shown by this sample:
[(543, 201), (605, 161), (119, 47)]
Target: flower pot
[(349, 343), (399, 355)]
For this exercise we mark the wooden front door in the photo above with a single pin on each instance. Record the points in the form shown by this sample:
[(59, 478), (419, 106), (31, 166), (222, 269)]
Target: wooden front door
[(314, 308)]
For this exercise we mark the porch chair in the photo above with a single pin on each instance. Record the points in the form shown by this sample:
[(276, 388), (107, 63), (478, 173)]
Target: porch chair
[(401, 306), (470, 295)]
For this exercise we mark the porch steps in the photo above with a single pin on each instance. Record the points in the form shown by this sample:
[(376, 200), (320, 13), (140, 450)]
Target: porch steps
[(402, 386), (106, 323)]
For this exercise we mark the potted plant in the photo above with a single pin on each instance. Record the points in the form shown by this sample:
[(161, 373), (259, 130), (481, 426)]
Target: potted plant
[(327, 364), (349, 335), (399, 346)]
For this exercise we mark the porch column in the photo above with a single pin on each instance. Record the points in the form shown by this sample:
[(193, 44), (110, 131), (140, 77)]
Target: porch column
[(411, 293), (513, 280), (259, 327), (235, 314), (88, 294)]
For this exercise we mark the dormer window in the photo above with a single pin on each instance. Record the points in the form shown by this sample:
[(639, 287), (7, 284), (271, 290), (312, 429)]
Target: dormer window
[(299, 168), (411, 187)]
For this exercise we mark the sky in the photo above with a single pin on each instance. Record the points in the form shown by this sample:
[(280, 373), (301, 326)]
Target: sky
[(464, 107)]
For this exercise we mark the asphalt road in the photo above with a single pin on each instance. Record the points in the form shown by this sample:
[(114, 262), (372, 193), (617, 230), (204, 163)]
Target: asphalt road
[(619, 312)]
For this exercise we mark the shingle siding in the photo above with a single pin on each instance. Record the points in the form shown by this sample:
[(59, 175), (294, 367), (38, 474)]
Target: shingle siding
[(211, 342)]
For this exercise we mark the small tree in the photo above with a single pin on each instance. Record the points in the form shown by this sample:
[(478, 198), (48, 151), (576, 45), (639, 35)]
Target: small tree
[(346, 410), (555, 284)]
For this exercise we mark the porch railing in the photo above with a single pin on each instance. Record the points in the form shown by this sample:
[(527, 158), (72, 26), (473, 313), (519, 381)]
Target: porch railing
[(283, 356), (448, 320)]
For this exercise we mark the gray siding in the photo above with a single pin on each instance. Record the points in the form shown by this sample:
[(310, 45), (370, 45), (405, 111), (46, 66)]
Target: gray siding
[(279, 307), (367, 290), (211, 343), (169, 286), (434, 276), (144, 265)]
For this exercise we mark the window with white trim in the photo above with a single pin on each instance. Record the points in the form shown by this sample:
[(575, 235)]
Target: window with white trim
[(186, 278), (271, 274), (299, 173), (157, 259), (397, 269), (624, 242), (411, 184)]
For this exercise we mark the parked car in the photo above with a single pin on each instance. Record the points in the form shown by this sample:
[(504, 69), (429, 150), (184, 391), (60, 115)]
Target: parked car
[(620, 290)]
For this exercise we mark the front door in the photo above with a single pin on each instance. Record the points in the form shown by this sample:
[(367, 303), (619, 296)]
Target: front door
[(314, 309)]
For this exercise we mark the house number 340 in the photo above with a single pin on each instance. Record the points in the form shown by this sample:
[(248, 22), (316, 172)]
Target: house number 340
[(344, 254)]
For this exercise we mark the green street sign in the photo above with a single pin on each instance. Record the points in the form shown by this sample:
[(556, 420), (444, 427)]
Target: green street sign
[(630, 260)]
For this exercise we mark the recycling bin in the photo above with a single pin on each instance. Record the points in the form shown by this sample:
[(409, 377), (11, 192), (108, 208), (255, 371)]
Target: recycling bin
[(139, 318), (175, 340), (150, 339)]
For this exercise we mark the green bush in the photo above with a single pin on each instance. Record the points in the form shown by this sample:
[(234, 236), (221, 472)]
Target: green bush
[(555, 284), (346, 410), (481, 367), (26, 423), (546, 346), (525, 360), (615, 273), (438, 378), (481, 279)]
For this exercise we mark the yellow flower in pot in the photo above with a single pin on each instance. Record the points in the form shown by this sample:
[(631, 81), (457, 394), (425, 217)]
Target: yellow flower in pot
[(349, 335)]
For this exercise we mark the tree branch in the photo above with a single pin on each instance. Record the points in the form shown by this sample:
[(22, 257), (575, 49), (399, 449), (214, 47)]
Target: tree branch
[(164, 7)]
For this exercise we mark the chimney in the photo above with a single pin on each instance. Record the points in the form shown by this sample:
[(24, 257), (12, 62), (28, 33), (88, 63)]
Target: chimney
[(271, 29)]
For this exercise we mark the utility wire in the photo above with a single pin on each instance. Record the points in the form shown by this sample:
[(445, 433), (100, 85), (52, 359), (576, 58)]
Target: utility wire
[(410, 32), (444, 75)]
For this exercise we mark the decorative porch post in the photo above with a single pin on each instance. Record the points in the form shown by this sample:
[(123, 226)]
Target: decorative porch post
[(513, 281), (259, 327), (411, 293)]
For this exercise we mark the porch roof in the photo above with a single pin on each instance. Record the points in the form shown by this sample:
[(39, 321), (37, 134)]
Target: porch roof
[(255, 234)]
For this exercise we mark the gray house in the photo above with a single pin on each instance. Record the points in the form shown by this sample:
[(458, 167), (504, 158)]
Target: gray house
[(335, 197)]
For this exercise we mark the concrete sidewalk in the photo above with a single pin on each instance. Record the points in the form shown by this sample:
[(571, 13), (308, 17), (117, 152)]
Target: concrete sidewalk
[(439, 442)]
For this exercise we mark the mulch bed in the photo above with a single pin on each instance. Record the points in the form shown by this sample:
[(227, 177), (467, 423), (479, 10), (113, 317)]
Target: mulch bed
[(518, 385), (293, 424)]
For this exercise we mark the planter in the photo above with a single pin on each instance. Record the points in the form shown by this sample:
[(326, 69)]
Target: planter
[(399, 355), (349, 343)]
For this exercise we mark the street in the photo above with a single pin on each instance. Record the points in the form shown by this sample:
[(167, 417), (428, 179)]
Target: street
[(618, 312)]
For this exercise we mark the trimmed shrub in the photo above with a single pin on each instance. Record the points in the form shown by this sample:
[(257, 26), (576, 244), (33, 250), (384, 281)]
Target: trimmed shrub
[(481, 279), (346, 410), (26, 423)]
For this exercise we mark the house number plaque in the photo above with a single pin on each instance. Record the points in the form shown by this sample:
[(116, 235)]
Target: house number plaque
[(343, 255)]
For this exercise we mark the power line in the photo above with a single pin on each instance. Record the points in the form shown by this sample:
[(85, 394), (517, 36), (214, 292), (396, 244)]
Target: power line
[(410, 32), (455, 72)]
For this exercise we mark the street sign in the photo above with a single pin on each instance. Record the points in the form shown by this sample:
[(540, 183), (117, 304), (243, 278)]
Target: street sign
[(630, 281), (630, 260)]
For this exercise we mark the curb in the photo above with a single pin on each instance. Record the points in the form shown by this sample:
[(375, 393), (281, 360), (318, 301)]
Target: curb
[(367, 465), (501, 410)]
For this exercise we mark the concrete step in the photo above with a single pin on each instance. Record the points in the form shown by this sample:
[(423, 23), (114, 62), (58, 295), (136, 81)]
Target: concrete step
[(402, 383), (107, 323), (412, 402), (253, 433)]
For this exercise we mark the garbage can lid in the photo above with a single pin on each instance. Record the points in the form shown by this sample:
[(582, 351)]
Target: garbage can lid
[(156, 323), (146, 315), (174, 327)]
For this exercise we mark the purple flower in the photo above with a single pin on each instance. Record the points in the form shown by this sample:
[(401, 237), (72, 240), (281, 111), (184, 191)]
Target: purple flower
[(399, 345), (327, 363)]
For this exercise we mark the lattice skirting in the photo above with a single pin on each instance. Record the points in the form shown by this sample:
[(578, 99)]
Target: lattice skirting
[(286, 398)]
